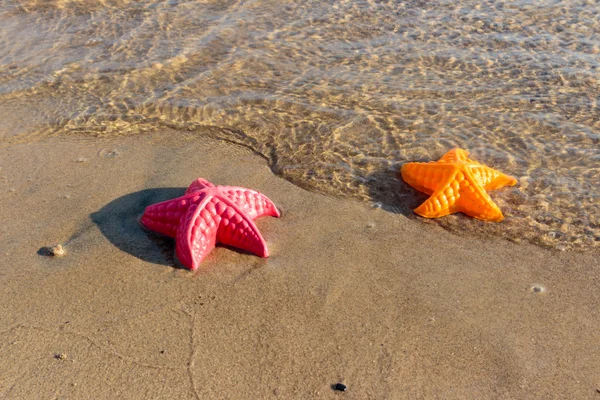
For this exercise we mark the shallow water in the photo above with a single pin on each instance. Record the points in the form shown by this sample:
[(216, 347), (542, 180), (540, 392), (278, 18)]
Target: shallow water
[(336, 95)]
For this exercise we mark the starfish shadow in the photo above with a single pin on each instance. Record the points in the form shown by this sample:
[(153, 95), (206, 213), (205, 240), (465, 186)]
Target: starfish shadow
[(119, 223), (388, 191)]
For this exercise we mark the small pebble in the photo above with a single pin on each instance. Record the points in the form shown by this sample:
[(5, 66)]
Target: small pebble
[(57, 251), (82, 160), (538, 289), (12, 190), (60, 356), (340, 387)]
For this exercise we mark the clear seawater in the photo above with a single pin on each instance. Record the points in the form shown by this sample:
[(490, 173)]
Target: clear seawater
[(335, 94)]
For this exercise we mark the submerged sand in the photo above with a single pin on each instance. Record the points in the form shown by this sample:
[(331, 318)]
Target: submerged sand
[(381, 302)]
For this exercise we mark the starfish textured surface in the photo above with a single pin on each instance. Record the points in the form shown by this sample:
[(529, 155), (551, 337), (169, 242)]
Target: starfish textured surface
[(456, 184), (206, 215)]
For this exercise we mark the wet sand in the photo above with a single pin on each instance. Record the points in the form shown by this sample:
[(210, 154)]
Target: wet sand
[(381, 302)]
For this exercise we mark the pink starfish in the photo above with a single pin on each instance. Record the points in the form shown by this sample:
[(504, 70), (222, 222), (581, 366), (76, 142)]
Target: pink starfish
[(206, 215)]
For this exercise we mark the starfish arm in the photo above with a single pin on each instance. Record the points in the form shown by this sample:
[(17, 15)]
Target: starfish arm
[(491, 179), (237, 229), (454, 155), (198, 185), (253, 203), (164, 217), (196, 235), (442, 202), (427, 177), (474, 201)]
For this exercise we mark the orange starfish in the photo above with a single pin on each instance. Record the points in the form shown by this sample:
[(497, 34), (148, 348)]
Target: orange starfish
[(456, 184)]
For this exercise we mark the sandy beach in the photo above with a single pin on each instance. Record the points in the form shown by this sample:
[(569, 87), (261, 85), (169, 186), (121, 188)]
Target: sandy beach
[(389, 306), (107, 107)]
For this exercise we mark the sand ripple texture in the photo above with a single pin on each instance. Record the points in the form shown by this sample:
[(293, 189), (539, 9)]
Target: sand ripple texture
[(335, 94)]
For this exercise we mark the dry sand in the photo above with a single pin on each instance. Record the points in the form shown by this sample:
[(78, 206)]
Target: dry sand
[(389, 306)]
